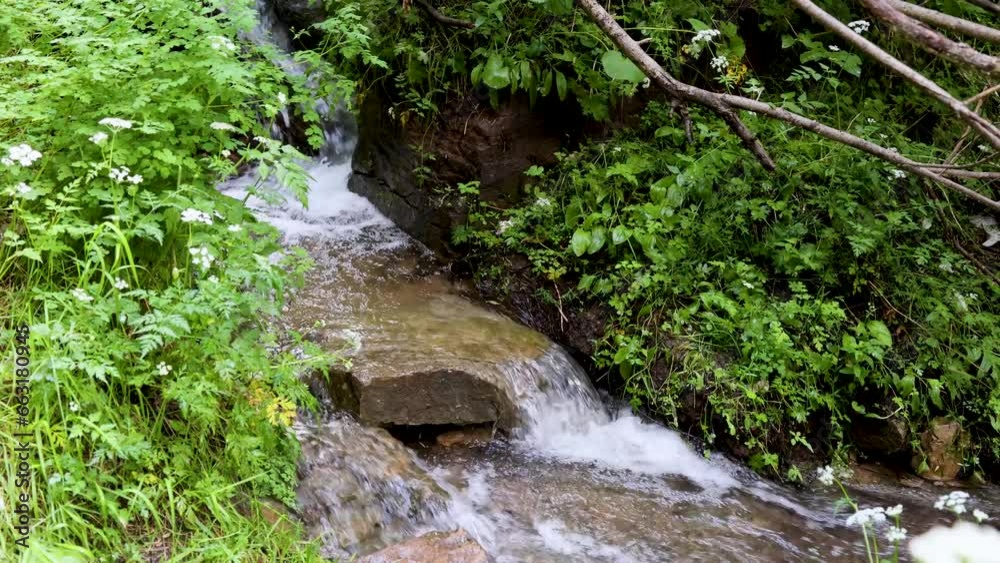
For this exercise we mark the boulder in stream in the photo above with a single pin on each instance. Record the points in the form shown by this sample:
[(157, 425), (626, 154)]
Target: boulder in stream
[(943, 445), (435, 547)]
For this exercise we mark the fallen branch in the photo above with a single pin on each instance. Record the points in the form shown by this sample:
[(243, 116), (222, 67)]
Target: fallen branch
[(930, 40), (987, 5), (674, 88), (926, 15), (726, 104), (980, 125), (443, 19)]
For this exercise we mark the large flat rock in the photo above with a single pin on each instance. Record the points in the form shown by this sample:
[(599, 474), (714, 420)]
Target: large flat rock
[(435, 547)]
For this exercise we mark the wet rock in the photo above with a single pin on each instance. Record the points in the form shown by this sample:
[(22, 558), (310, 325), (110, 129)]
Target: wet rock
[(410, 173), (360, 489), (943, 446), (435, 547), (464, 437), (276, 514), (881, 436)]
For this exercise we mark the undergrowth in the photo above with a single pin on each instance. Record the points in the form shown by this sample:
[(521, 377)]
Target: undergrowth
[(161, 395)]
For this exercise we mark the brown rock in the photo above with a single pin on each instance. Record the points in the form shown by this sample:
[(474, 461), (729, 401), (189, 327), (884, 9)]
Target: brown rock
[(435, 547), (276, 514), (465, 437), (943, 445)]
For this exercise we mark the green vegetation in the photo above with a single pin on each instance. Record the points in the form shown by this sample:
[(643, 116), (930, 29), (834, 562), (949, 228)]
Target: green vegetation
[(789, 305), (160, 394)]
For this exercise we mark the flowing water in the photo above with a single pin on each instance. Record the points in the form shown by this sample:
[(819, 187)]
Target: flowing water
[(572, 481)]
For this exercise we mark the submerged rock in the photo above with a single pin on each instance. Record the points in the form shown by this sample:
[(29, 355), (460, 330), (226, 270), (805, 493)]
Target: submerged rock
[(360, 489), (435, 547)]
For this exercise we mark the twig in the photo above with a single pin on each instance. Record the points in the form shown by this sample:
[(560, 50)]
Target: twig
[(443, 19), (982, 95), (926, 15)]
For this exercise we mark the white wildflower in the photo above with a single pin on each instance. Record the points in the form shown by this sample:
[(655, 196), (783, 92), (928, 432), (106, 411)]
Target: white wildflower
[(6, 161), (867, 516), (22, 154), (220, 126), (504, 225), (926, 223), (542, 202), (894, 511), (136, 179), (115, 123), (979, 515), (946, 267), (82, 295), (871, 121), (859, 26), (282, 99), (952, 502), (898, 174), (120, 284), (234, 228), (99, 137), (74, 406), (201, 256), (983, 148), (825, 475), (706, 35), (213, 279), (55, 478), (119, 174), (833, 48), (719, 63), (964, 542), (895, 534), (164, 368), (962, 306), (747, 285), (220, 43), (616, 149), (191, 215), (226, 152), (22, 188)]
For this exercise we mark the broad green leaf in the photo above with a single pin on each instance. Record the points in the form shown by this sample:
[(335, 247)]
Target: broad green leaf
[(620, 234), (561, 85), (598, 236), (496, 75), (620, 68), (580, 242)]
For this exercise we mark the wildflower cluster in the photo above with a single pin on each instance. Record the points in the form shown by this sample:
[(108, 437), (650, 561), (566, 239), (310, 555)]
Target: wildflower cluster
[(859, 26), (953, 502), (115, 123), (201, 256), (123, 174), (191, 215), (220, 126), (504, 225), (705, 35), (22, 154), (719, 63), (220, 43), (99, 137)]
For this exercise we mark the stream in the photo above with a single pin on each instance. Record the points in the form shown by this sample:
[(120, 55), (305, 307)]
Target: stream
[(562, 474)]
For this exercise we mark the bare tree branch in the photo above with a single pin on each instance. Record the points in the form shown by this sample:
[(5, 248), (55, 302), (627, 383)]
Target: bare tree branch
[(726, 104), (987, 5), (982, 95), (675, 88), (930, 40), (980, 125), (441, 18), (926, 15)]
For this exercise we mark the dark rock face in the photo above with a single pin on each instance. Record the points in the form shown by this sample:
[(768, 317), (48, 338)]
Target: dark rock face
[(299, 14), (881, 437), (409, 171)]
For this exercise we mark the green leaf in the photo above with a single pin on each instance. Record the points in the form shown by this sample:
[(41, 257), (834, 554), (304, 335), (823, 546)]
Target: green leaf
[(880, 333), (620, 68), (496, 75), (598, 236), (620, 234), (561, 85), (29, 253), (580, 242)]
